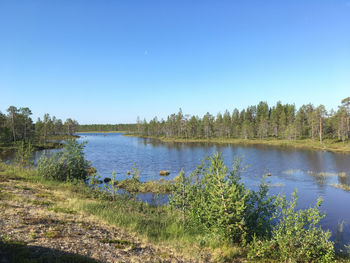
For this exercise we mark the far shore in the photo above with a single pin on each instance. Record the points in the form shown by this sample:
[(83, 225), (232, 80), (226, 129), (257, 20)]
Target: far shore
[(326, 145), (101, 132)]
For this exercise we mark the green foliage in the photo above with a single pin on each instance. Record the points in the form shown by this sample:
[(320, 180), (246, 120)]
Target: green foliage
[(18, 126), (107, 127), (111, 186), (216, 201), (67, 164), (260, 212), (296, 237), (94, 179), (5, 132), (256, 122), (135, 173), (224, 200), (24, 153)]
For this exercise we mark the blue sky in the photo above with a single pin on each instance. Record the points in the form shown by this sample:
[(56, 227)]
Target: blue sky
[(111, 61)]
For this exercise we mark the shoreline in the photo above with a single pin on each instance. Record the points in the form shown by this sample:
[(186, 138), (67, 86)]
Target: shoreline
[(307, 144), (40, 146), (101, 132)]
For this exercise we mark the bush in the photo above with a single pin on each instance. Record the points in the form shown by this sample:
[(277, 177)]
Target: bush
[(67, 164), (215, 200), (24, 153), (296, 237)]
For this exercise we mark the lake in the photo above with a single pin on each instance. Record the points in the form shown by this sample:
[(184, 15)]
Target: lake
[(290, 169)]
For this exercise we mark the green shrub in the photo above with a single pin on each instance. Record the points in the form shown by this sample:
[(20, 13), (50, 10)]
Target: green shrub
[(216, 203), (111, 186), (260, 211), (215, 200), (296, 237), (67, 164), (24, 153)]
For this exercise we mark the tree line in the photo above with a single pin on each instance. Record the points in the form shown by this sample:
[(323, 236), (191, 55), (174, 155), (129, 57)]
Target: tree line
[(17, 125), (106, 127), (281, 121)]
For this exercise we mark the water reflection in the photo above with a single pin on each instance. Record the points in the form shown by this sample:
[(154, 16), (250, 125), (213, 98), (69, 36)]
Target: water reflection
[(344, 180)]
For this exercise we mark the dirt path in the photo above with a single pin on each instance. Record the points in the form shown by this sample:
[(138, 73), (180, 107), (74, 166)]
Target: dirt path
[(29, 214)]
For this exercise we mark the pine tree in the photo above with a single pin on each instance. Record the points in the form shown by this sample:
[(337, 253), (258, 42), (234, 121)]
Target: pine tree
[(346, 104)]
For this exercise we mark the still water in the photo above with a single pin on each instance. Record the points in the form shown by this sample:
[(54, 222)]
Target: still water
[(290, 169)]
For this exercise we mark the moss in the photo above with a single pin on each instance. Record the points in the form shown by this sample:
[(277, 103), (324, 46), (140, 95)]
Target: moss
[(51, 234), (33, 236)]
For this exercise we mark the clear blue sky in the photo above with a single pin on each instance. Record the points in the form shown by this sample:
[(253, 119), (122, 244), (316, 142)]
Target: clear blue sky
[(111, 61)]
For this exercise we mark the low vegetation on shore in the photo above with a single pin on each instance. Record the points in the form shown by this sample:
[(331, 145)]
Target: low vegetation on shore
[(326, 145), (211, 217)]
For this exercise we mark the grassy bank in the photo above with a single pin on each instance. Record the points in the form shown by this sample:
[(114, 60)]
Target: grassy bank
[(46, 215), (154, 225), (326, 145)]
